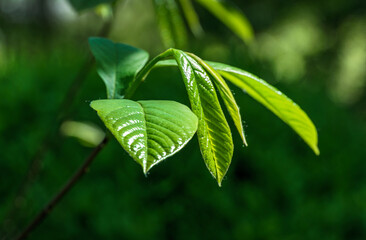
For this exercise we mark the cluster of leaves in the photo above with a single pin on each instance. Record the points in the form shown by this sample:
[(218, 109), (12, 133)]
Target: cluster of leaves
[(151, 131), (172, 15)]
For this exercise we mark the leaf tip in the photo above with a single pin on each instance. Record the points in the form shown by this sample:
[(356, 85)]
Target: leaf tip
[(93, 105), (219, 182), (244, 141), (145, 170), (316, 150), (91, 40)]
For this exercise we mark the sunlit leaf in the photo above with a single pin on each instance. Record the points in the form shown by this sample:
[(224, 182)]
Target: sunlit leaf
[(270, 97), (172, 29), (117, 64), (213, 132), (274, 100), (150, 131), (80, 5), (231, 17), (87, 133), (226, 95)]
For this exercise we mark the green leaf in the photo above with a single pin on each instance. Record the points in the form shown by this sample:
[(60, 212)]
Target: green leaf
[(117, 63), (172, 29), (213, 132), (80, 5), (191, 17), (270, 97), (150, 131), (231, 17), (274, 100), (226, 95), (88, 134)]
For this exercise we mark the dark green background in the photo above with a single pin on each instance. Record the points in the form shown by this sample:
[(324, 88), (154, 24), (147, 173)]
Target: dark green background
[(275, 189)]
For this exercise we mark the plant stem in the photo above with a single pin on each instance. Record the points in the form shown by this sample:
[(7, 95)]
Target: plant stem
[(145, 71), (71, 182), (48, 139)]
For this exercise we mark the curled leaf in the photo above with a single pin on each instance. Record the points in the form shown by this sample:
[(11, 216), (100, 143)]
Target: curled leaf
[(117, 64), (270, 97), (274, 100), (226, 95), (213, 132)]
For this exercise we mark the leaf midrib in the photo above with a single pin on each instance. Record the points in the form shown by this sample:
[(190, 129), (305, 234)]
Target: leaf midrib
[(204, 118), (279, 114), (145, 139)]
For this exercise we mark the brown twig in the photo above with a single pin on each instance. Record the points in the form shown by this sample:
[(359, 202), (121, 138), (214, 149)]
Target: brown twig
[(49, 138), (63, 112), (71, 182)]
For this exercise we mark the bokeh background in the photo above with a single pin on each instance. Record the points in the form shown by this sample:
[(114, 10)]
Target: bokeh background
[(314, 51)]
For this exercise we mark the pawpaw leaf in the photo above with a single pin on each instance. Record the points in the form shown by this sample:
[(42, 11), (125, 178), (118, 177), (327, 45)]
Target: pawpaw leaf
[(150, 131), (171, 24), (232, 17), (213, 132), (226, 96), (277, 102), (274, 100), (117, 63)]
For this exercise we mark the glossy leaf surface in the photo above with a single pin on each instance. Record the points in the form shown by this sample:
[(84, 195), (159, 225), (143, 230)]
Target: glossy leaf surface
[(270, 97), (117, 64), (80, 5), (213, 132), (150, 131), (226, 95), (274, 100), (231, 17)]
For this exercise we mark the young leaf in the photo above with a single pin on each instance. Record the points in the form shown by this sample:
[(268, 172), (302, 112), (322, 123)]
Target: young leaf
[(231, 17), (171, 23), (270, 97), (226, 95), (213, 132), (150, 131), (80, 5), (117, 64), (274, 100)]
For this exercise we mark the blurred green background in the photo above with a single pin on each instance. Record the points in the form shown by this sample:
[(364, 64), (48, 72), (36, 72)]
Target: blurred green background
[(314, 51)]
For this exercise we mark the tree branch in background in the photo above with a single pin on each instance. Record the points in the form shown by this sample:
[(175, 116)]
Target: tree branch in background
[(63, 113), (70, 183)]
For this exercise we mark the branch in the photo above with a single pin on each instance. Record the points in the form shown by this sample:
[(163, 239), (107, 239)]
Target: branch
[(49, 138), (70, 183)]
